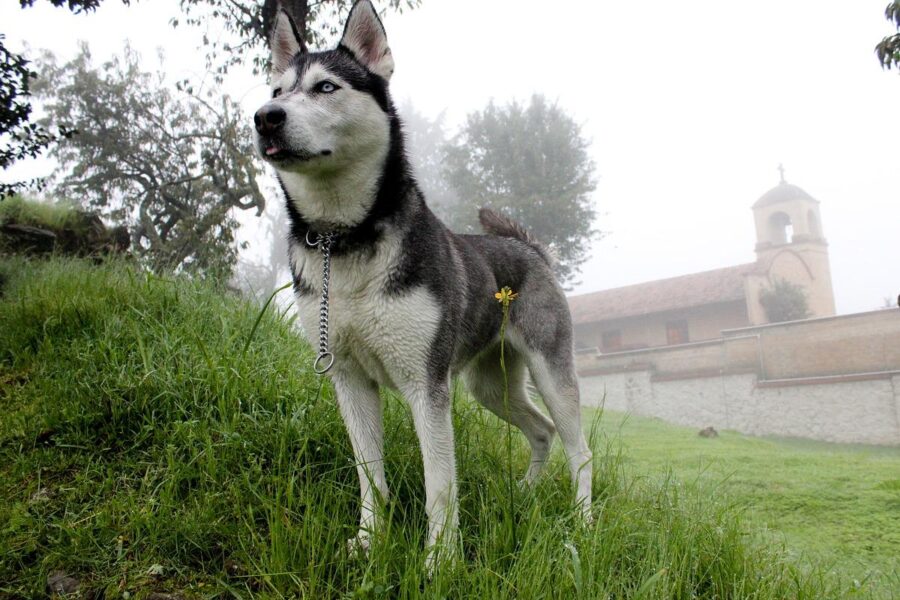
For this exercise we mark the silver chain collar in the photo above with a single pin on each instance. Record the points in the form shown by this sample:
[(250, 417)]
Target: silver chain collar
[(323, 242)]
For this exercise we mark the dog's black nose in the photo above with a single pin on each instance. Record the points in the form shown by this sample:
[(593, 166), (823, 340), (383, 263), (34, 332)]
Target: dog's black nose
[(269, 118)]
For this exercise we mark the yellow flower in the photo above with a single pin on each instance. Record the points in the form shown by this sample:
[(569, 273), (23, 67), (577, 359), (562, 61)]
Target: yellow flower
[(506, 295)]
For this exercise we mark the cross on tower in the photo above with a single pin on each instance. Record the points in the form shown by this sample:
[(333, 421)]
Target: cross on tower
[(781, 170)]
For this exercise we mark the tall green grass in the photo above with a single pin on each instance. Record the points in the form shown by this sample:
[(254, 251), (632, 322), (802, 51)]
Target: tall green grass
[(152, 438)]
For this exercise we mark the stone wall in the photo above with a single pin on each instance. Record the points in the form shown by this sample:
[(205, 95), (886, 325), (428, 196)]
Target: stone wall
[(835, 379)]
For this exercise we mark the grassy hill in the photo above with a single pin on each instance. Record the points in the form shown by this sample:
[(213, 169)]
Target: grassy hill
[(157, 435)]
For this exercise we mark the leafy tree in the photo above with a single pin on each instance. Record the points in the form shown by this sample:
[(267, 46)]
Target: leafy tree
[(76, 6), (784, 301), (19, 137), (169, 165), (250, 24), (532, 163), (888, 50)]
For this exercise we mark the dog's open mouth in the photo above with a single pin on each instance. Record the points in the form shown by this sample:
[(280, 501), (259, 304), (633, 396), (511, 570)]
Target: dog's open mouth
[(276, 153)]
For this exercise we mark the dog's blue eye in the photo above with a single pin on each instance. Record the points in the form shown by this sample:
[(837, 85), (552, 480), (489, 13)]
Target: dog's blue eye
[(276, 92), (326, 87)]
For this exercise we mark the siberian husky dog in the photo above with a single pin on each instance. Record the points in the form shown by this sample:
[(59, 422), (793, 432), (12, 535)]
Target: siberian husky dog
[(409, 303)]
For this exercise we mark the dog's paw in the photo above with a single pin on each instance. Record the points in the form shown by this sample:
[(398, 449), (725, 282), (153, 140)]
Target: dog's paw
[(587, 515), (358, 545), (527, 483), (434, 559), (441, 556)]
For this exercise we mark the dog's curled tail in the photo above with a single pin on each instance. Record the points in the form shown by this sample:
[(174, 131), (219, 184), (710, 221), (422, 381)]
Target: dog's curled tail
[(495, 223)]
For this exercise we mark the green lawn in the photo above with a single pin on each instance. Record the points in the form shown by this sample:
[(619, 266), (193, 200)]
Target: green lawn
[(834, 503), (162, 435)]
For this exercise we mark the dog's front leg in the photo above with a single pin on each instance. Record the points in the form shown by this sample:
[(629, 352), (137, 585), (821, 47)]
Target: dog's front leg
[(431, 410), (360, 406)]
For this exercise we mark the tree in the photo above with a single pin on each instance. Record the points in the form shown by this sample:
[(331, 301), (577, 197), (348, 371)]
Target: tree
[(426, 141), (19, 137), (260, 279), (888, 50), (784, 301), (531, 162), (170, 165), (250, 24)]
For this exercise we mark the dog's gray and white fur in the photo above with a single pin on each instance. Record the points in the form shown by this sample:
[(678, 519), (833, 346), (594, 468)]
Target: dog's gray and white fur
[(411, 303)]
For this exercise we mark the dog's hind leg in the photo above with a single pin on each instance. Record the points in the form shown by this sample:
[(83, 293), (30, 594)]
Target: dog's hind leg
[(484, 379), (360, 406), (554, 377)]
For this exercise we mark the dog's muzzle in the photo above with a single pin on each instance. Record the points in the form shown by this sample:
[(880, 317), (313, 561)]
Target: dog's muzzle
[(269, 119)]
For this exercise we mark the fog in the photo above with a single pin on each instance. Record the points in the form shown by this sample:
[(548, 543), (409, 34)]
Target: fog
[(690, 108)]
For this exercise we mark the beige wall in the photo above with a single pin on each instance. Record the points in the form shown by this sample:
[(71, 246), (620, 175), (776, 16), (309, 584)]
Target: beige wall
[(835, 378), (859, 343), (704, 323)]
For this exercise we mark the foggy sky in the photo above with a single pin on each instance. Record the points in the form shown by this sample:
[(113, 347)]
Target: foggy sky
[(690, 108)]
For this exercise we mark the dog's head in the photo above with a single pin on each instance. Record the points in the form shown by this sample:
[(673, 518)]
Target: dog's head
[(329, 110)]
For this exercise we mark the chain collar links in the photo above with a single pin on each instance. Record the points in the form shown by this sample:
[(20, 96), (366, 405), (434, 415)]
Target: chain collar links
[(323, 241)]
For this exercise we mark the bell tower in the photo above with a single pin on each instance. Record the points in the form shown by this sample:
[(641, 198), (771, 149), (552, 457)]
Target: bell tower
[(790, 245)]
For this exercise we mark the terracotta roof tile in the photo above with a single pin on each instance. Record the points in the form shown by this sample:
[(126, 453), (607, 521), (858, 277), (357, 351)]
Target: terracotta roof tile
[(696, 289)]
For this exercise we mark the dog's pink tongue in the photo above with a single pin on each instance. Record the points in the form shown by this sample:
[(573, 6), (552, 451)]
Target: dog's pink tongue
[(272, 150)]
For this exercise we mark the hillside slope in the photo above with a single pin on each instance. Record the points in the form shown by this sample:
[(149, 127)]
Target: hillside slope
[(155, 436)]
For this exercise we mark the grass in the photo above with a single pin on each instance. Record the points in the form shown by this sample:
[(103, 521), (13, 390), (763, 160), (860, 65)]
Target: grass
[(155, 437), (834, 503), (50, 215)]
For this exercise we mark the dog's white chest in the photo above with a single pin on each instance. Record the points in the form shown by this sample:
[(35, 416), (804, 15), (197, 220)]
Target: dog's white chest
[(388, 335)]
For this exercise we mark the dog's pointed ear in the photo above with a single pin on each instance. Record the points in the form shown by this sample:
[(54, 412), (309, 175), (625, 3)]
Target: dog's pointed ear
[(365, 37), (286, 42)]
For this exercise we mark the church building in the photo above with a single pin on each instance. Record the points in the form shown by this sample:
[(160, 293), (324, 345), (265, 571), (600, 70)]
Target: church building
[(790, 246)]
